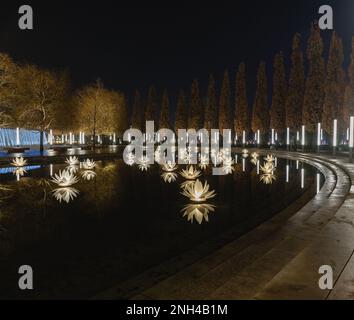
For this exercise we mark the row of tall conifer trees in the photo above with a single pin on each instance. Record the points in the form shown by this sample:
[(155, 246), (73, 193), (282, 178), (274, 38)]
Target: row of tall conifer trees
[(323, 93)]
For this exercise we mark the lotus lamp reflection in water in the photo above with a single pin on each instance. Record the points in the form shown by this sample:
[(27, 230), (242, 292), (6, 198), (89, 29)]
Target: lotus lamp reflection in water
[(268, 173), (19, 172), (169, 176), (199, 212), (65, 178), (143, 165), (19, 162), (65, 194), (89, 164), (198, 192), (228, 166), (204, 162), (88, 175), (72, 161), (190, 173)]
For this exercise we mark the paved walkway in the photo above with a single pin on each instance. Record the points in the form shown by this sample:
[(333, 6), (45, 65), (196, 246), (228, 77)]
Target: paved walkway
[(280, 259)]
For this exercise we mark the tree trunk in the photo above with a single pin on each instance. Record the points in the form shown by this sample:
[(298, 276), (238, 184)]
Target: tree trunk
[(41, 136)]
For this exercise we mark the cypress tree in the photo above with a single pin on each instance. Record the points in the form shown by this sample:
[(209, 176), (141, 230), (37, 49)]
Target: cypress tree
[(181, 113), (210, 116), (260, 116), (314, 88), (334, 86), (349, 90), (164, 122), (224, 109), (151, 108), (241, 119), (137, 113), (295, 98), (277, 110), (195, 112)]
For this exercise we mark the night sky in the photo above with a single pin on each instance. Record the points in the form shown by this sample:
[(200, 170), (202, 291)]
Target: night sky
[(139, 44)]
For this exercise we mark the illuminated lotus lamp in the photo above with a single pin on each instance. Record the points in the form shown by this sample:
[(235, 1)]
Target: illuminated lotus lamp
[(89, 164), (269, 158), (199, 212), (72, 161), (254, 157), (144, 164), (351, 139), (190, 173), (268, 176), (198, 192), (227, 166), (65, 178), (169, 166), (204, 162), (19, 162), (19, 172)]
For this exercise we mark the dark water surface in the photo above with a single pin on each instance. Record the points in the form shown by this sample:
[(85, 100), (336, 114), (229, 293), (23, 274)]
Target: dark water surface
[(124, 221)]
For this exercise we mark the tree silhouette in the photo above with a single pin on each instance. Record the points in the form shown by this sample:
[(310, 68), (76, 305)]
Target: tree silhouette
[(224, 108), (241, 119), (210, 116)]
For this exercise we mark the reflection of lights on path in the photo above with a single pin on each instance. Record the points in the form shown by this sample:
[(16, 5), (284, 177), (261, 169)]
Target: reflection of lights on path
[(302, 178), (318, 184), (243, 165)]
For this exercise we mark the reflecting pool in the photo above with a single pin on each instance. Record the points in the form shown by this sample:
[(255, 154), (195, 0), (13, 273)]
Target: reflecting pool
[(87, 226)]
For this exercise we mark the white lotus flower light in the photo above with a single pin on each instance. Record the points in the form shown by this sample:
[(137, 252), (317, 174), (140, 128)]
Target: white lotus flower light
[(72, 161), (198, 192), (88, 175), (199, 212), (65, 178), (19, 162), (254, 155), (19, 172), (143, 165), (89, 164), (268, 175), (72, 168), (169, 176), (169, 166), (65, 194), (204, 162), (190, 173), (228, 167), (269, 158)]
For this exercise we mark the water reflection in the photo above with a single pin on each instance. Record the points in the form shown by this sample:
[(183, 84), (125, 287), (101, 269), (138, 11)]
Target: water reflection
[(19, 162), (169, 176), (199, 212), (72, 161), (268, 175), (88, 175), (65, 194)]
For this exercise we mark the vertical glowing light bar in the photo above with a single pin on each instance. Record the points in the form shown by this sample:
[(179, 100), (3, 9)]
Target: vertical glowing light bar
[(236, 158), (351, 138), (83, 137), (347, 134), (297, 164), (302, 178), (318, 183), (273, 139), (51, 137), (335, 135), (288, 137), (275, 162), (318, 136), (114, 138), (276, 136), (80, 141), (297, 136), (230, 137), (51, 170), (243, 137), (71, 138), (258, 137), (257, 166), (287, 173), (243, 164), (18, 137), (62, 138), (303, 136)]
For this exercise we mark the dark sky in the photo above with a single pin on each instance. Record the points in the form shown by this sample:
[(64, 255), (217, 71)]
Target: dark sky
[(132, 46)]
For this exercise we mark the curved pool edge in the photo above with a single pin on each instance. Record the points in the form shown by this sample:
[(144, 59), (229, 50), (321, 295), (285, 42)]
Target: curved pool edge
[(240, 269)]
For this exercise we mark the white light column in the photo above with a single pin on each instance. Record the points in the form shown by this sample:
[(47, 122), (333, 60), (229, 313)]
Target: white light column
[(303, 132), (243, 137), (258, 137), (335, 135), (17, 137), (273, 137), (288, 138), (318, 136), (351, 139)]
